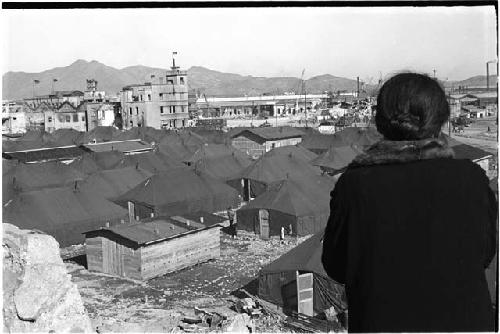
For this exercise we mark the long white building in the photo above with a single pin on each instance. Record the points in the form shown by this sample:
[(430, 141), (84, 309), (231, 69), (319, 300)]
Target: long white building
[(268, 105)]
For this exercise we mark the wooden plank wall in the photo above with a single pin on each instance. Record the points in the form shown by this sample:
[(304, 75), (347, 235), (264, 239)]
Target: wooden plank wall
[(175, 254), (93, 249), (111, 257)]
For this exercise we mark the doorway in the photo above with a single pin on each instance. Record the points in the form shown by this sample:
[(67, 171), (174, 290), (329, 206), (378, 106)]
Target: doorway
[(264, 224)]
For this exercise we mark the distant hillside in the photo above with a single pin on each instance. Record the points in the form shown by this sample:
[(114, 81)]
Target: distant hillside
[(476, 81), (18, 85)]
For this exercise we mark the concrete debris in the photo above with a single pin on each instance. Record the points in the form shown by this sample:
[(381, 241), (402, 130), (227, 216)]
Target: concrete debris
[(38, 293), (240, 323), (248, 306)]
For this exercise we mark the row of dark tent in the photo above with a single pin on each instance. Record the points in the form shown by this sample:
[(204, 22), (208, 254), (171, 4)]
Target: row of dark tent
[(186, 172)]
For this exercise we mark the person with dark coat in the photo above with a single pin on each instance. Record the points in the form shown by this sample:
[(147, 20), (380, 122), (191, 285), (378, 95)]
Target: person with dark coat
[(232, 223), (412, 229)]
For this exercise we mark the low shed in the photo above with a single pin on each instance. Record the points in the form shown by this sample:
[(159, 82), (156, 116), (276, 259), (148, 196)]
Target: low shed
[(149, 249), (297, 281)]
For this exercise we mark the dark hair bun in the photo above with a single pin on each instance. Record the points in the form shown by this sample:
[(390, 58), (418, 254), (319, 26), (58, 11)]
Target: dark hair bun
[(411, 106)]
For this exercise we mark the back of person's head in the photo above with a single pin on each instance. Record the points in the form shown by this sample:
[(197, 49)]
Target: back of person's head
[(411, 106)]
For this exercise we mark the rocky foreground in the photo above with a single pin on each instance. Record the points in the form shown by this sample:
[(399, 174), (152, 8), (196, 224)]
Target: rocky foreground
[(38, 295)]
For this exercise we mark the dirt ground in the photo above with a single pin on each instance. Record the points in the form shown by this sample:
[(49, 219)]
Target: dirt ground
[(477, 134), (158, 305)]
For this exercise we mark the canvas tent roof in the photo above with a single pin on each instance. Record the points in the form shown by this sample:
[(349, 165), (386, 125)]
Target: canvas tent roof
[(177, 151), (104, 160), (337, 158), (62, 213), (63, 137), (273, 167), (223, 168), (298, 198), (184, 137), (148, 134), (306, 256), (216, 151), (359, 136), (295, 150), (150, 161), (100, 134), (212, 136), (181, 190), (113, 183), (36, 135), (319, 143), (24, 145), (44, 175)]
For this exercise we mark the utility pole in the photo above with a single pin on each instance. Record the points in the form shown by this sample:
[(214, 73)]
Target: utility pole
[(305, 99)]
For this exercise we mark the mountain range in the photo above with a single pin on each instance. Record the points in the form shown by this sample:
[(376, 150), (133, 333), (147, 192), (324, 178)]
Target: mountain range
[(18, 85)]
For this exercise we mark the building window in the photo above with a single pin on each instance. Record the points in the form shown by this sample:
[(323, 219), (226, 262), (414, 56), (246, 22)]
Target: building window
[(170, 82), (130, 109), (131, 123), (137, 110), (173, 109), (75, 118), (141, 97), (49, 119), (170, 109), (83, 118), (161, 96), (161, 109), (149, 97), (182, 80), (68, 118)]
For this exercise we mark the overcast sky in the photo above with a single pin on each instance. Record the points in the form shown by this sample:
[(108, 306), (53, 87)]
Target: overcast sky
[(349, 42)]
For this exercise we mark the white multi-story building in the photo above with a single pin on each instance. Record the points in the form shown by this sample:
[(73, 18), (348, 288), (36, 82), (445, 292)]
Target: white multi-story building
[(162, 103)]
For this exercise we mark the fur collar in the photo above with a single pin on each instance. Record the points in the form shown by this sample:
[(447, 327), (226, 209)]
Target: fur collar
[(390, 152)]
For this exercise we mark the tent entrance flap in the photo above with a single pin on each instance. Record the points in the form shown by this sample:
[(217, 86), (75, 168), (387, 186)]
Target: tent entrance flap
[(305, 292), (264, 224)]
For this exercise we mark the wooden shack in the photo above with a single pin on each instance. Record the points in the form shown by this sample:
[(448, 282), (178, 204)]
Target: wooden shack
[(257, 141), (153, 248)]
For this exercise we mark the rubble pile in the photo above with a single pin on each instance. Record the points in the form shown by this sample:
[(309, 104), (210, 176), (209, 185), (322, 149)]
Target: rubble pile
[(38, 295)]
